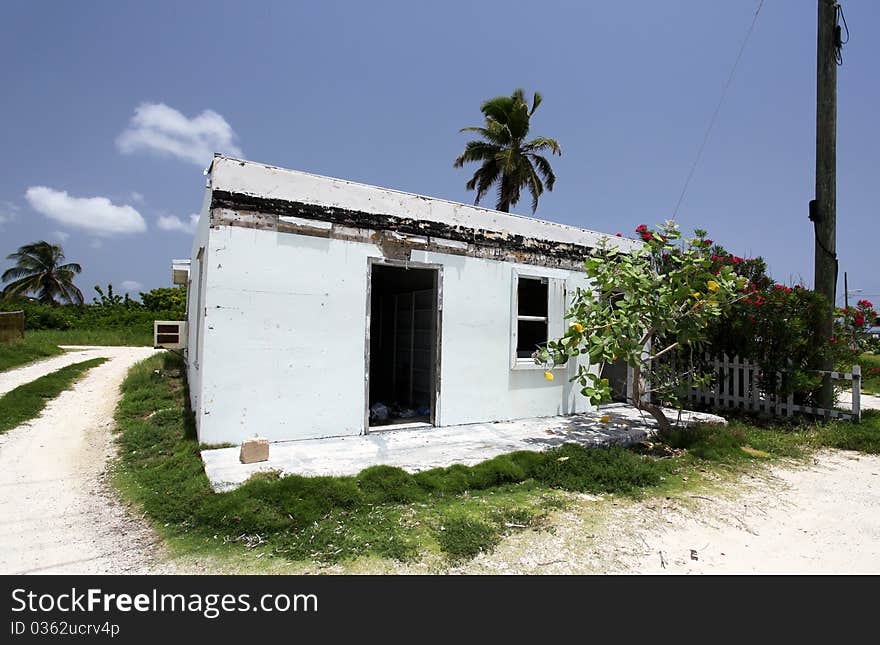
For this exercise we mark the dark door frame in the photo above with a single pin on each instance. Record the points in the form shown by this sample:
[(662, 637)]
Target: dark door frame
[(438, 322)]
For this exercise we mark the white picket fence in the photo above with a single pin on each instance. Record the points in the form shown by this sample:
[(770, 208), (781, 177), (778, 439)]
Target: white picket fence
[(737, 386)]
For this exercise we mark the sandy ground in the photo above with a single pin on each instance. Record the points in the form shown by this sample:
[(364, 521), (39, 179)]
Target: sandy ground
[(58, 513), (794, 518)]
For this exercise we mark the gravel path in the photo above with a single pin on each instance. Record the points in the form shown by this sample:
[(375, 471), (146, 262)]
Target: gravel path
[(58, 513)]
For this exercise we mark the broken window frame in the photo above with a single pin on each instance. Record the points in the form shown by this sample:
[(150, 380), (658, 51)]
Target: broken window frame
[(556, 291)]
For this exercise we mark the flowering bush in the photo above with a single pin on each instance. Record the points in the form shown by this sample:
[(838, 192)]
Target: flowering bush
[(851, 326), (774, 326), (644, 305)]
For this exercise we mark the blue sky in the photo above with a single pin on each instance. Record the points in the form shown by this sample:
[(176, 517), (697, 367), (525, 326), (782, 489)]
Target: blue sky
[(376, 92)]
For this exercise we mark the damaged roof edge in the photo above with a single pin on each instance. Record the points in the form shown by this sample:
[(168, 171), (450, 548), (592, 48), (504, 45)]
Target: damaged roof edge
[(238, 176)]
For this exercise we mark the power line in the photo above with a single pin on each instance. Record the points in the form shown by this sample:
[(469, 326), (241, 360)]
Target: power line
[(717, 110)]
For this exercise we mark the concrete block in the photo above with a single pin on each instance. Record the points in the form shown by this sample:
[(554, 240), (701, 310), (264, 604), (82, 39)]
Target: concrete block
[(253, 450)]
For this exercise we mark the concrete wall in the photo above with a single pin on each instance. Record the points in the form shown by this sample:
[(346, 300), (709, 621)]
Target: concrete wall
[(281, 347), (478, 382), (195, 306), (283, 337)]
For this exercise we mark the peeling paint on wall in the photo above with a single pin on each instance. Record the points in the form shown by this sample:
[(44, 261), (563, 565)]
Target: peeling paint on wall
[(393, 234)]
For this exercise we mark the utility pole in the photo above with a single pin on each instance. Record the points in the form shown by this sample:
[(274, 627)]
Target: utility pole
[(845, 291), (824, 211)]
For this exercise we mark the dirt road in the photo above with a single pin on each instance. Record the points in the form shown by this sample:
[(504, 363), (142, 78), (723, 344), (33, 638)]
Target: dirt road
[(58, 513)]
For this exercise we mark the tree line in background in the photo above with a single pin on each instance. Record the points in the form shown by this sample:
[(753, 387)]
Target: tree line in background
[(41, 283)]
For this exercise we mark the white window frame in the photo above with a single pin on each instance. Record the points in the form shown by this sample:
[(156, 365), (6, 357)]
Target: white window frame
[(556, 301)]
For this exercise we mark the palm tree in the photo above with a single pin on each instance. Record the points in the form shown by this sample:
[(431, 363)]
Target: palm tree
[(39, 270), (505, 155)]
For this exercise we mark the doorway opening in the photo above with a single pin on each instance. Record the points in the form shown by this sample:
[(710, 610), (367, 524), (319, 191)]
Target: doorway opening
[(402, 384)]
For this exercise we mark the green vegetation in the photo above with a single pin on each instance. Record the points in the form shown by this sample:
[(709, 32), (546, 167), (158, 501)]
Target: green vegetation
[(870, 363), (42, 286), (645, 303), (37, 345), (505, 157), (39, 270), (444, 514), (29, 349), (27, 401)]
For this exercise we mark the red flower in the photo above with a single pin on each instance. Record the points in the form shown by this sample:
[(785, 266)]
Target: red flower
[(833, 339), (709, 242), (641, 228), (618, 235), (866, 303), (859, 320)]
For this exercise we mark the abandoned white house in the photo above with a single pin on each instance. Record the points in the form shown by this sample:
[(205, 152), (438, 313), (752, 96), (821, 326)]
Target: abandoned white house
[(320, 307)]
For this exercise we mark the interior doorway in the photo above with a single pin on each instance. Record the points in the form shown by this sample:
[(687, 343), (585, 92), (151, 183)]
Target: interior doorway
[(404, 337)]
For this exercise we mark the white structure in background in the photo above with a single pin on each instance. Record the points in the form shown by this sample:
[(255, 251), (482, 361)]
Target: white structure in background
[(320, 307)]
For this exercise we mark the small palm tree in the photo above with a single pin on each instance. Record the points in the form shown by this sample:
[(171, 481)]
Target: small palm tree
[(507, 158), (39, 270)]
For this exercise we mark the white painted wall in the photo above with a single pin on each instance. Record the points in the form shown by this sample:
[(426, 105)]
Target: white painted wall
[(283, 340), (477, 382), (284, 336), (195, 307)]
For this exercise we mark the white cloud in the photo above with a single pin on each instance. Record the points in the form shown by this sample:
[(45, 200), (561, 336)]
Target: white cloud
[(8, 212), (97, 215), (136, 197), (132, 285), (174, 223), (161, 129), (59, 236)]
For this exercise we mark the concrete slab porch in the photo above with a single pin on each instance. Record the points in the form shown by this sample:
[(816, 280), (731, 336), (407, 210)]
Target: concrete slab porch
[(424, 448)]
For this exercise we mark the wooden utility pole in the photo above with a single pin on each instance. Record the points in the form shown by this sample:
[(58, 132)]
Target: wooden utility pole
[(824, 214)]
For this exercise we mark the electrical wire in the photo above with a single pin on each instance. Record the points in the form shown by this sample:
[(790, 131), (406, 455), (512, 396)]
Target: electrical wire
[(838, 54), (717, 110)]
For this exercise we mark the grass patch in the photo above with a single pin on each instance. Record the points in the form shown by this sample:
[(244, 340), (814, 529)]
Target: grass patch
[(115, 336), (462, 538), (870, 363), (27, 350), (843, 435), (40, 344), (27, 401), (449, 514), (383, 511)]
